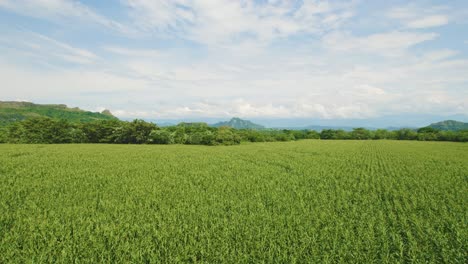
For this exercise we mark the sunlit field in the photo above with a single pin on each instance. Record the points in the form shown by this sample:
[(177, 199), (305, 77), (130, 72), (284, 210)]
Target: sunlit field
[(310, 201)]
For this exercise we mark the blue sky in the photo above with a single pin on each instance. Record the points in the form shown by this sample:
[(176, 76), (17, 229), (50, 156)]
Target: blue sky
[(160, 59)]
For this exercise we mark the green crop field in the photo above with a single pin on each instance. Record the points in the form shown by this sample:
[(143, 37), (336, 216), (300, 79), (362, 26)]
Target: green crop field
[(308, 201)]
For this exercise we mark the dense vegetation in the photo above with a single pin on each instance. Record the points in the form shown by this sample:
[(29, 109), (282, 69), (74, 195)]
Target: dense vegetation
[(422, 134), (450, 125), (46, 130), (311, 201), (11, 112)]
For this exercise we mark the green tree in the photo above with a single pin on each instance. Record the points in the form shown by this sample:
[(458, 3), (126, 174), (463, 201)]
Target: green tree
[(161, 136), (3, 135), (208, 138), (382, 134), (77, 135), (195, 138), (360, 133), (103, 131), (312, 134), (139, 131), (406, 134), (333, 134), (40, 130), (252, 135), (226, 136), (179, 135), (427, 130), (462, 136), (427, 136), (299, 134)]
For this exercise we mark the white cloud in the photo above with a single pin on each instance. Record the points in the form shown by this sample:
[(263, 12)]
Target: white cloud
[(243, 108), (294, 83), (420, 17), (160, 14), (429, 21), (212, 89), (439, 55), (386, 44), (269, 59), (223, 22)]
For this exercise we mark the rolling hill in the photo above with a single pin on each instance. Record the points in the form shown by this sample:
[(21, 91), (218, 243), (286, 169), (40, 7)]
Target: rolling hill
[(238, 123), (449, 125), (16, 111)]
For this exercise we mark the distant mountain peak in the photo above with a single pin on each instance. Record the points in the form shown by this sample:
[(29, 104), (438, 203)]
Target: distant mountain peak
[(107, 112), (239, 123)]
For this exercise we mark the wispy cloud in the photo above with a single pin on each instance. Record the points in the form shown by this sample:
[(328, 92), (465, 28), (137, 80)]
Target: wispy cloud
[(386, 44), (144, 53), (223, 21), (41, 48), (416, 17), (60, 10), (439, 55)]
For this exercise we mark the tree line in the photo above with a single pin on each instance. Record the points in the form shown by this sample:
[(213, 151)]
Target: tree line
[(53, 131)]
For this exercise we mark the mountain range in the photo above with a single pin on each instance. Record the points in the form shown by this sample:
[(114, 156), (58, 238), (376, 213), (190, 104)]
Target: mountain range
[(11, 111)]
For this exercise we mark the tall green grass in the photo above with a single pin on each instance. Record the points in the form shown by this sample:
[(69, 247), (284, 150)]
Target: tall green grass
[(293, 202)]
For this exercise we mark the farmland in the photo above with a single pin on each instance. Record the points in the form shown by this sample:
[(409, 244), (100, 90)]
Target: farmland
[(306, 201)]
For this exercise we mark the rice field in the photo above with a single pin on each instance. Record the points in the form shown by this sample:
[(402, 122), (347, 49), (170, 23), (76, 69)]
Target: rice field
[(310, 201)]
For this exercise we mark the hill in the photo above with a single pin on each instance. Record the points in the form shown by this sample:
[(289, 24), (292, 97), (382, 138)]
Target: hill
[(238, 123), (449, 125), (16, 111)]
